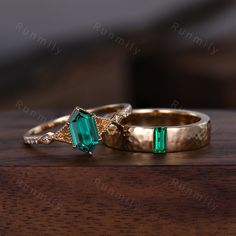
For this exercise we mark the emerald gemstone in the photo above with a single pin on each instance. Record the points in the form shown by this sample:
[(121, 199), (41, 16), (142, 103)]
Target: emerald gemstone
[(83, 130), (159, 140)]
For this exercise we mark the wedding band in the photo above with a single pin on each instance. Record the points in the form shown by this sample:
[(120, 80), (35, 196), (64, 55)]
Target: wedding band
[(160, 131), (82, 129)]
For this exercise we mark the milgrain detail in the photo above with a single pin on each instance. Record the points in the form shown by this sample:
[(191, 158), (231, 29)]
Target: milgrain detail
[(31, 140), (41, 139), (102, 124), (63, 135)]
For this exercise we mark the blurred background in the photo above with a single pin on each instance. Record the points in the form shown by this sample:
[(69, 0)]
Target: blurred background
[(155, 53)]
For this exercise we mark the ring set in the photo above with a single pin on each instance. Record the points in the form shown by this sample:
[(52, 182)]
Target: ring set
[(120, 127)]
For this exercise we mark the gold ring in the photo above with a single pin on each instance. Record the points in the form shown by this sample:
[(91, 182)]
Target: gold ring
[(160, 131), (83, 128)]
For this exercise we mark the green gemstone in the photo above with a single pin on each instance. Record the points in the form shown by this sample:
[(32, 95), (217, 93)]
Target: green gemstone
[(159, 140), (83, 130)]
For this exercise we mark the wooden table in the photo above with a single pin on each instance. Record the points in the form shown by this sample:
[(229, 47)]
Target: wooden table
[(55, 190)]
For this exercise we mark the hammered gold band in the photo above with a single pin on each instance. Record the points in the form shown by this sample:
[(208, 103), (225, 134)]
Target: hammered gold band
[(103, 117), (160, 131)]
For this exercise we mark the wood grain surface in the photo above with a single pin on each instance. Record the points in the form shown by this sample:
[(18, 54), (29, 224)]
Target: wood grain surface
[(53, 190), (14, 124)]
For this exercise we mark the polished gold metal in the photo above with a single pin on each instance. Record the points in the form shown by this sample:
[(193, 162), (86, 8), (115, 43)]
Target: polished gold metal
[(186, 130), (104, 117)]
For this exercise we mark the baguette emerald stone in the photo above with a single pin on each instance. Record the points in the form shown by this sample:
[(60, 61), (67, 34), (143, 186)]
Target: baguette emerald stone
[(83, 130), (159, 140)]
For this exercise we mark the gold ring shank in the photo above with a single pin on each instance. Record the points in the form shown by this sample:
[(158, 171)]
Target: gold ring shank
[(185, 130), (104, 116)]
